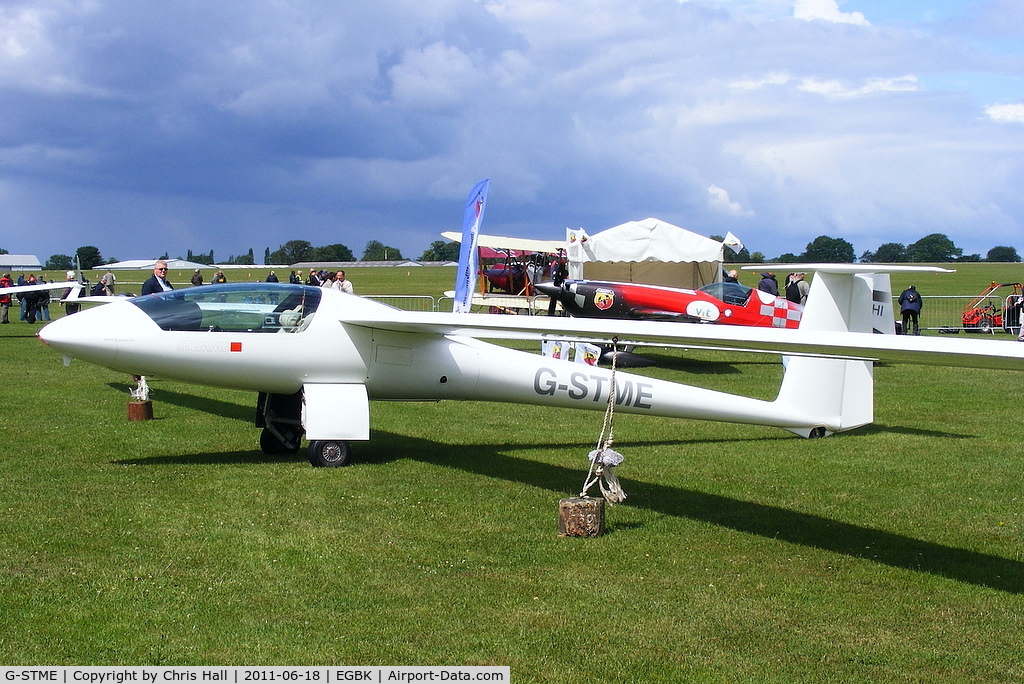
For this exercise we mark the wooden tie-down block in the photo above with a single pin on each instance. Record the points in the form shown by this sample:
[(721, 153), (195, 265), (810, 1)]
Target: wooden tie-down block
[(581, 517), (140, 410)]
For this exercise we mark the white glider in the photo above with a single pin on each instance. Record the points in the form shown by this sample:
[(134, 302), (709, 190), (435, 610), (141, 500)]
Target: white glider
[(317, 357)]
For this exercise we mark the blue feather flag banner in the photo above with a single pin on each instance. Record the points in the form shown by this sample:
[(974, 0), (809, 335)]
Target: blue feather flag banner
[(465, 276)]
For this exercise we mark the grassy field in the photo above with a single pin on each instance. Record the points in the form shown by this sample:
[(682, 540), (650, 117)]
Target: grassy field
[(893, 553)]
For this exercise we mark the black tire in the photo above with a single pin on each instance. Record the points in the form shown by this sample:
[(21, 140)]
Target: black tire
[(986, 324), (271, 445), (329, 453)]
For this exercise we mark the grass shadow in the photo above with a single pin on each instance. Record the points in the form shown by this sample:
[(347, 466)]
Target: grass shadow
[(217, 407), (879, 428), (771, 522)]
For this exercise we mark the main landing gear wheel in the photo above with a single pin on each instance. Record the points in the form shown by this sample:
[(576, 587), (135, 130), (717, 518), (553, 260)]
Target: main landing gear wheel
[(329, 453)]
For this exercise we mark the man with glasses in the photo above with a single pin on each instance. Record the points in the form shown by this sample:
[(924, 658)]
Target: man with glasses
[(158, 282)]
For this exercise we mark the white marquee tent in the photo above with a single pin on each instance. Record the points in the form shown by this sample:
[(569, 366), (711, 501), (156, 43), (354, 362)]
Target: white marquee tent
[(650, 251)]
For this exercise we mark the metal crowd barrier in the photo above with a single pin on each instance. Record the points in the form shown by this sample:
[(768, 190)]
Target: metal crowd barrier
[(944, 313)]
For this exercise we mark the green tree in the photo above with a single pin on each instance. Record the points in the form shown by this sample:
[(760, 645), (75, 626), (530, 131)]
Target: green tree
[(1002, 253), (934, 247), (3, 251), (89, 257), (241, 259), (440, 250), (890, 253), (292, 252), (335, 252), (200, 258), (828, 250), (59, 262), (266, 256), (378, 251)]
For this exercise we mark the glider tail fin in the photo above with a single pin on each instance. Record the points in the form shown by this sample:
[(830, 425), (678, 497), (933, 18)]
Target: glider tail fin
[(837, 394)]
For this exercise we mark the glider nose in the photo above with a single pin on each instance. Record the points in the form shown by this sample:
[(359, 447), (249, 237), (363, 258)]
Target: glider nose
[(91, 335)]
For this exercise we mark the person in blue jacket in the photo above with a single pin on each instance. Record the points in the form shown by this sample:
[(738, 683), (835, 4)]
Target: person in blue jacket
[(910, 308)]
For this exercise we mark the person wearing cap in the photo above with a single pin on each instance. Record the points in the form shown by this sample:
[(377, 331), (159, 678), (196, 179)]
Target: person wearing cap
[(272, 278), (197, 278), (768, 284)]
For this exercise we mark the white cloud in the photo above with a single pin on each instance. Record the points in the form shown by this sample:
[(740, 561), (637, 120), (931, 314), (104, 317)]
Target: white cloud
[(344, 122), (827, 10), (774, 78), (436, 77), (1006, 113), (719, 201), (838, 88)]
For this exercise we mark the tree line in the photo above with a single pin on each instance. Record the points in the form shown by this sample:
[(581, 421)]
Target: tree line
[(291, 252), (829, 250), (934, 248)]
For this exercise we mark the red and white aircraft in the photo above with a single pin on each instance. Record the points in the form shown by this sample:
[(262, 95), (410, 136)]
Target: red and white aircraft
[(725, 303), (318, 357)]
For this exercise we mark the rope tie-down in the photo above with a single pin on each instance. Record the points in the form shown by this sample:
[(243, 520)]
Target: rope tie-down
[(604, 459)]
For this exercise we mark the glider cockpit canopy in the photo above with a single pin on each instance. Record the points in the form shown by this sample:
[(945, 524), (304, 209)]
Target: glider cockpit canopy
[(233, 308)]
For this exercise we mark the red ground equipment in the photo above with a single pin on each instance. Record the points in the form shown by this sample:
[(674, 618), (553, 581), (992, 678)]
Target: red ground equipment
[(985, 313)]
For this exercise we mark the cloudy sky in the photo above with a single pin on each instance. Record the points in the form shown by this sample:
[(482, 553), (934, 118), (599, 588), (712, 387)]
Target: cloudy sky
[(145, 127)]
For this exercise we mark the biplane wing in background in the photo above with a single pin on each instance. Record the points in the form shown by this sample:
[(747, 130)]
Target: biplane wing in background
[(517, 265)]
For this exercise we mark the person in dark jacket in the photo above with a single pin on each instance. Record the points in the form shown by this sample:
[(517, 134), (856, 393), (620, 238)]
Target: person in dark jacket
[(768, 284), (158, 281), (30, 301), (910, 308)]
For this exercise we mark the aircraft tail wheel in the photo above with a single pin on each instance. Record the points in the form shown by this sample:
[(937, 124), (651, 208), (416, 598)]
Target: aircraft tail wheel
[(817, 432), (329, 453)]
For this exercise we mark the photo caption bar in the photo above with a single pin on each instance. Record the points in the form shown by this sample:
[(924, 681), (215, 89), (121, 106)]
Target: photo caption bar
[(256, 675)]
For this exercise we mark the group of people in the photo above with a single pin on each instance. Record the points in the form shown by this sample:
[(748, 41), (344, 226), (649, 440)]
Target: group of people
[(328, 279), (35, 306), (795, 289)]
